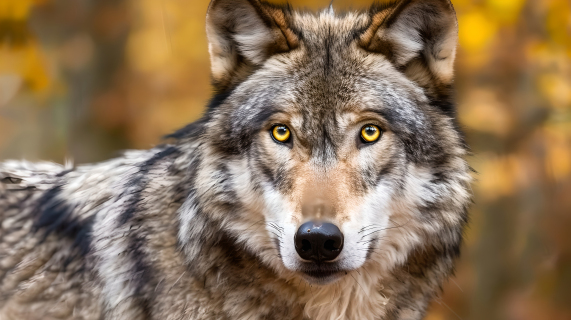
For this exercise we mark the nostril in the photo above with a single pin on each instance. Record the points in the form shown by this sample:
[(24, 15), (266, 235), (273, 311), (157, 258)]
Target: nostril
[(305, 245), (330, 245)]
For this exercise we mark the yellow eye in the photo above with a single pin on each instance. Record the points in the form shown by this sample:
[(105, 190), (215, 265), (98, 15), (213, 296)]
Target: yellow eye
[(281, 133), (370, 133)]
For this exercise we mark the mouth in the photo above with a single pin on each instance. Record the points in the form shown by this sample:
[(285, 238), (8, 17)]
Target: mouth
[(321, 274)]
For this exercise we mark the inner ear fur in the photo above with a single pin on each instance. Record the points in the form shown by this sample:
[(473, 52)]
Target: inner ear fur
[(242, 34), (418, 36)]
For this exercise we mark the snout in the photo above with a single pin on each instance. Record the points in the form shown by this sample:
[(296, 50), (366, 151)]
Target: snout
[(318, 241)]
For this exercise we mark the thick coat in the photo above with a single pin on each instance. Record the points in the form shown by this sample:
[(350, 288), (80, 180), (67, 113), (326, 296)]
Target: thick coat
[(203, 227)]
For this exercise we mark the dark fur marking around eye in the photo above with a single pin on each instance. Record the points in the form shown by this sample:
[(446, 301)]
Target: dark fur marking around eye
[(239, 129), (419, 139)]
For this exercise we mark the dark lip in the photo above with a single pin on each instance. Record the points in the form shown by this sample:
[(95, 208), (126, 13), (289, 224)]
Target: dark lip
[(322, 277), (321, 274)]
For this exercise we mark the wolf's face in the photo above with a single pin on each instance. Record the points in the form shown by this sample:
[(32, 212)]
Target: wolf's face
[(336, 132)]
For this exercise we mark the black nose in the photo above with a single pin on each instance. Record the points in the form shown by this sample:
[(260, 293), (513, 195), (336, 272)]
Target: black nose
[(318, 242)]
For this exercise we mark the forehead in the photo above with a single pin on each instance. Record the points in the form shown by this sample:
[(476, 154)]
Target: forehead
[(328, 25), (331, 72)]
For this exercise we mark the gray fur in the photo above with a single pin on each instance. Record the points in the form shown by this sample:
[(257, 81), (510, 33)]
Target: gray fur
[(202, 228)]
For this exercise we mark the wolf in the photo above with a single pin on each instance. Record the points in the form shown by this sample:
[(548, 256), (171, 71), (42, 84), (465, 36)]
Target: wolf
[(327, 179)]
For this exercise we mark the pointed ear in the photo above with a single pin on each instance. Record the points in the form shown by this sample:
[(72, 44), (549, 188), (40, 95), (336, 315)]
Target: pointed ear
[(242, 34), (418, 36)]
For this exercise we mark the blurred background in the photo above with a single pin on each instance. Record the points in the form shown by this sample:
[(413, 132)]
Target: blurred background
[(83, 79)]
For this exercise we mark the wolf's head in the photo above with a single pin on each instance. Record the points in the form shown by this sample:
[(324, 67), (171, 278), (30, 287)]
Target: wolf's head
[(332, 142)]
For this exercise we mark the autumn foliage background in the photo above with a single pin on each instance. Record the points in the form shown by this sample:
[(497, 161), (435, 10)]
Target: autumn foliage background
[(82, 79)]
